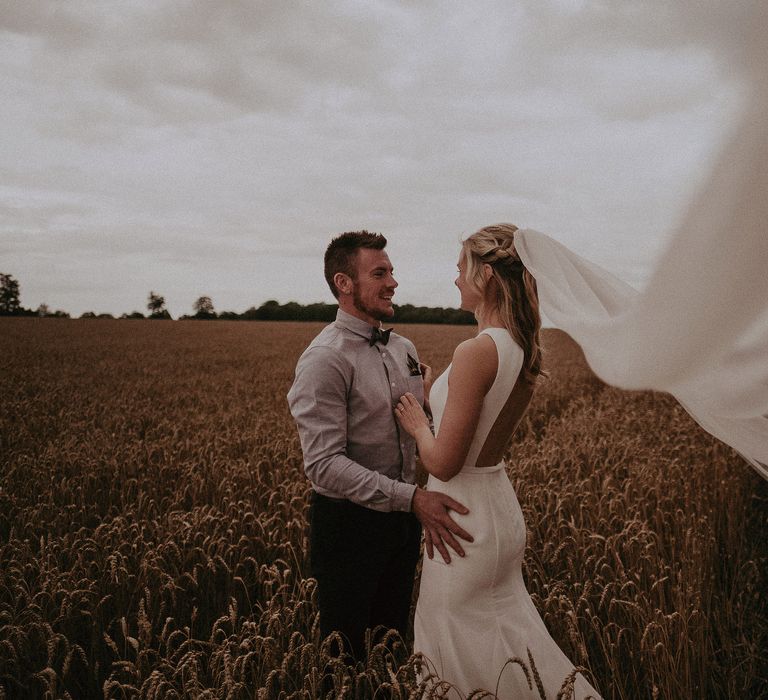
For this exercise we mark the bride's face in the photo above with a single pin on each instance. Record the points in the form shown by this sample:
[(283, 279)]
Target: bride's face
[(470, 296)]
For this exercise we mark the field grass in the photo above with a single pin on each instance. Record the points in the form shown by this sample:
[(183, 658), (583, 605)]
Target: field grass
[(153, 536)]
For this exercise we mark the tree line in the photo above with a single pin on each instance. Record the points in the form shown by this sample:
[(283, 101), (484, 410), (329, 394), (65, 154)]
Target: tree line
[(204, 309)]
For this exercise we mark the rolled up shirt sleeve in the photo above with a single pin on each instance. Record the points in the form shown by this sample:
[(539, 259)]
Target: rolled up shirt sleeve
[(318, 403)]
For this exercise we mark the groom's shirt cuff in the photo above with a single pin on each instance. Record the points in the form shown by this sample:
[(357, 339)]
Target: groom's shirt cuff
[(402, 497)]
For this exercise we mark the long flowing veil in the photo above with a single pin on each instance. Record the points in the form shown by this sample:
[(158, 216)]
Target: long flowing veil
[(700, 329)]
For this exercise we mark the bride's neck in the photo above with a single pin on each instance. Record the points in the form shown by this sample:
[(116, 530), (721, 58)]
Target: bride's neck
[(490, 319)]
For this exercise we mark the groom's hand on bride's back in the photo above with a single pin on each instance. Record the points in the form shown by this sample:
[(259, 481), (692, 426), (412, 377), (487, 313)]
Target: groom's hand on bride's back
[(432, 508)]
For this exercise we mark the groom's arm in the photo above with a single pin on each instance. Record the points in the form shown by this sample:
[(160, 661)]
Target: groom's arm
[(318, 403)]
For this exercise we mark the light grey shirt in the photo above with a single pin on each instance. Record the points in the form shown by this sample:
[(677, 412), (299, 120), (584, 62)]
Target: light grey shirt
[(343, 399)]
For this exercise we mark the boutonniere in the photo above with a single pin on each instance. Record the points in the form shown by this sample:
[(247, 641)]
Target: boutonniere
[(413, 366)]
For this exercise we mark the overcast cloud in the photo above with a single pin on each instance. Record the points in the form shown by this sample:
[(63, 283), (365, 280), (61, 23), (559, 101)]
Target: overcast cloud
[(214, 148)]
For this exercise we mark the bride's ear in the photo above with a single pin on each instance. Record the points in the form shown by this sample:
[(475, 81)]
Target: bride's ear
[(487, 272)]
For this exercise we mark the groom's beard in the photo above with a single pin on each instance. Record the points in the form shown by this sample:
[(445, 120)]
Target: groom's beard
[(360, 305)]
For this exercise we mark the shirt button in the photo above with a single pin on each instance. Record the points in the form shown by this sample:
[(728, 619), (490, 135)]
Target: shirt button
[(393, 384), (383, 354)]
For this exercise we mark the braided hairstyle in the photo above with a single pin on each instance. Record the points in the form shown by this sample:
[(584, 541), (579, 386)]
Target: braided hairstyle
[(514, 294)]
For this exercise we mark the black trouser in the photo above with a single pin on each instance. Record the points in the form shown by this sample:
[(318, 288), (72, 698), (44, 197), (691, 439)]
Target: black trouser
[(364, 562)]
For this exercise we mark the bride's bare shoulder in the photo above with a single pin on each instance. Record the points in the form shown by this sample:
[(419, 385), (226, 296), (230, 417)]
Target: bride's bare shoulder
[(476, 358)]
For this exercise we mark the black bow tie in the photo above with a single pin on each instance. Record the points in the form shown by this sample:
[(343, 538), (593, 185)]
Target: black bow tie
[(379, 336)]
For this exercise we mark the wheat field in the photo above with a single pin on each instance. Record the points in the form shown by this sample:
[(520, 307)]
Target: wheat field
[(153, 533)]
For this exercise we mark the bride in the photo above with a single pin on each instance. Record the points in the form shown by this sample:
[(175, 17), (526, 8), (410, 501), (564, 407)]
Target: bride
[(474, 612)]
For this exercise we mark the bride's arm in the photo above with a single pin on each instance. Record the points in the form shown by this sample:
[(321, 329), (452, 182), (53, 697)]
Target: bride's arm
[(472, 373)]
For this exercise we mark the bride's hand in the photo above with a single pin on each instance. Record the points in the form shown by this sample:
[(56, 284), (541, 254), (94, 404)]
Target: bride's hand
[(410, 415)]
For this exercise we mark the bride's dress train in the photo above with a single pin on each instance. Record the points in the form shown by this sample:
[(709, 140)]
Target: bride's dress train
[(475, 613)]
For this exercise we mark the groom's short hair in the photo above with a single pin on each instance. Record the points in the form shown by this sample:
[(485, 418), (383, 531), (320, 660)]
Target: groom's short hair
[(341, 253)]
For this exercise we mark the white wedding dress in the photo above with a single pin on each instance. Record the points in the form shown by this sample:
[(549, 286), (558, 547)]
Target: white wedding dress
[(475, 613)]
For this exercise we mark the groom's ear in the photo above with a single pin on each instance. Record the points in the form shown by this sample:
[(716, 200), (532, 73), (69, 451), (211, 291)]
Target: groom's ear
[(343, 283)]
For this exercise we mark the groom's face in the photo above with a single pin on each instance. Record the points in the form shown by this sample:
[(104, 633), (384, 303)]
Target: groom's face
[(374, 285)]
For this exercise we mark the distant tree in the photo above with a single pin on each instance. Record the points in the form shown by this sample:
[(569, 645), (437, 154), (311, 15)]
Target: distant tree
[(268, 311), (105, 316), (133, 314), (250, 313), (292, 311), (156, 306), (9, 295), (320, 312), (407, 313), (88, 314), (204, 308), (44, 311), (272, 310), (155, 303)]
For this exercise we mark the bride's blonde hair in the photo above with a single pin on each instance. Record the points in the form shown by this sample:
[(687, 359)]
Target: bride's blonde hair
[(514, 294)]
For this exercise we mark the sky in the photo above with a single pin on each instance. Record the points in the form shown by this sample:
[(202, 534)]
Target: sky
[(200, 148)]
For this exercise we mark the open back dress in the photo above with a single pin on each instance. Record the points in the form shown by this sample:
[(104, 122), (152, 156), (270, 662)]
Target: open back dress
[(475, 613)]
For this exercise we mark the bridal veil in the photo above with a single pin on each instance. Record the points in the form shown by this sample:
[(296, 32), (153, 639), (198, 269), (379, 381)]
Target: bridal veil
[(699, 330)]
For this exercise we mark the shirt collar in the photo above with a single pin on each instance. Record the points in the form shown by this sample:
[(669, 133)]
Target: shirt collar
[(354, 324)]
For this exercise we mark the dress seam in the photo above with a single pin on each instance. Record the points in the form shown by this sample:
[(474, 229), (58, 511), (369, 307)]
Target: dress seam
[(500, 640), (496, 543)]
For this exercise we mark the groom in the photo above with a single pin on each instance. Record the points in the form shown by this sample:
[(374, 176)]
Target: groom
[(366, 513)]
